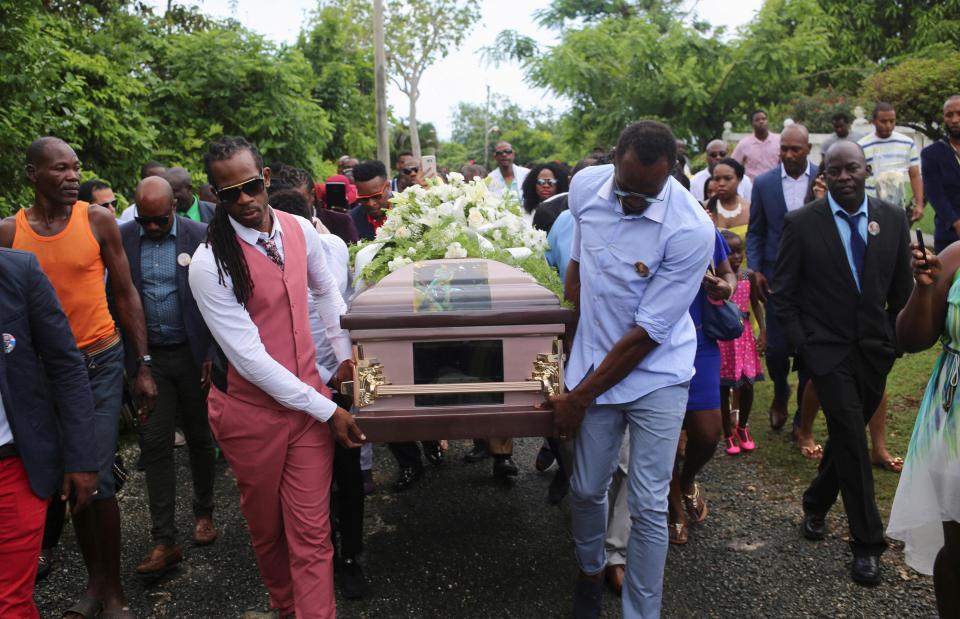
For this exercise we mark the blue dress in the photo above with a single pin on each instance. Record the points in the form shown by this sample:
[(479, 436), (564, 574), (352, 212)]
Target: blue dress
[(704, 391)]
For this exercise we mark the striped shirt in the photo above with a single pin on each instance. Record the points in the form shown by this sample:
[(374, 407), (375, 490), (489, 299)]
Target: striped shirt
[(888, 157)]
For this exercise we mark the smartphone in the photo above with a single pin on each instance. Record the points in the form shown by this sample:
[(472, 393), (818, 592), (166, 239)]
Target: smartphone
[(429, 166), (336, 196), (923, 248)]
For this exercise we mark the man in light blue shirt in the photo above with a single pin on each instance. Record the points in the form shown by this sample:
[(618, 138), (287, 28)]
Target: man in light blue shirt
[(641, 244)]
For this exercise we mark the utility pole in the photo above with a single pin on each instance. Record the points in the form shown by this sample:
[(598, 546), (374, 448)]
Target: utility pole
[(380, 71), (486, 131)]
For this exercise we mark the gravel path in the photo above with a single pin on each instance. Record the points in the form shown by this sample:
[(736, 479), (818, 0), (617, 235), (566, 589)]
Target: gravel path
[(460, 544)]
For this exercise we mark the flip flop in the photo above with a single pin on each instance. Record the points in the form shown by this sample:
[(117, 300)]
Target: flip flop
[(87, 607), (891, 465), (812, 453)]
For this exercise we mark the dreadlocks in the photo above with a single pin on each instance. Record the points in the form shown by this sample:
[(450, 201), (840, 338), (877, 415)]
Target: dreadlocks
[(220, 234)]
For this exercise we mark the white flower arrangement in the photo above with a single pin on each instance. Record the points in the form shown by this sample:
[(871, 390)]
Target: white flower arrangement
[(889, 186), (457, 219)]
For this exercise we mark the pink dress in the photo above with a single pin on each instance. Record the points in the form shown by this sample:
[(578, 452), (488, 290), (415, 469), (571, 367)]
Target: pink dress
[(739, 361)]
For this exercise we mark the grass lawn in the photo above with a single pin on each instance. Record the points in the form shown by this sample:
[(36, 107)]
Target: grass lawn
[(780, 456)]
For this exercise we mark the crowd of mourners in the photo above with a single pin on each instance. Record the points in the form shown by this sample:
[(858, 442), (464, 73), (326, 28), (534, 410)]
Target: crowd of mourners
[(211, 313)]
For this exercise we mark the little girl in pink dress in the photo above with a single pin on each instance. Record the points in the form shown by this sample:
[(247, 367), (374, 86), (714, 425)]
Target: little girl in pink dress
[(740, 358)]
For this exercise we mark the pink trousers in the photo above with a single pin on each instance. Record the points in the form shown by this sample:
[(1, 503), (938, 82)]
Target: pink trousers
[(283, 461)]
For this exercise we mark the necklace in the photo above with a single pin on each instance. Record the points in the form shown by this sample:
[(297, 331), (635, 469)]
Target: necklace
[(730, 214)]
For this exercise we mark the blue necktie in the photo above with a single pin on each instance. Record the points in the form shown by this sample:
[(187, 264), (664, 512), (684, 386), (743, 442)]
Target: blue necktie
[(858, 247)]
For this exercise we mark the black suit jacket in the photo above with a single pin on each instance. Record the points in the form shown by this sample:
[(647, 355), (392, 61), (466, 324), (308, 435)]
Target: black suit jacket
[(815, 295), (48, 403), (359, 216), (190, 234), (207, 211)]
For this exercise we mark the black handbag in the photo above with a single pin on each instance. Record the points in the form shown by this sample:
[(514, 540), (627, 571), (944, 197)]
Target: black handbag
[(721, 320)]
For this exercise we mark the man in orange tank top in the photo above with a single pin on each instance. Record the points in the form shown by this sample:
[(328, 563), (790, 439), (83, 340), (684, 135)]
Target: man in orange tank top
[(76, 244)]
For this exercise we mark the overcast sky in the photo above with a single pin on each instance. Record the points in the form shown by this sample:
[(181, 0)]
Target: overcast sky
[(461, 76)]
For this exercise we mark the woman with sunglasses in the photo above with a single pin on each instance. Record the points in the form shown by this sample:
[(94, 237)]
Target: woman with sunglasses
[(544, 181)]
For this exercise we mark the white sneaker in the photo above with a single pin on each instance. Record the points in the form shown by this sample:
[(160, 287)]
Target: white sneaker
[(178, 439)]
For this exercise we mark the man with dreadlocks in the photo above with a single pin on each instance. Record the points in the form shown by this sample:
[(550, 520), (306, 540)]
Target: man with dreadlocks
[(269, 409)]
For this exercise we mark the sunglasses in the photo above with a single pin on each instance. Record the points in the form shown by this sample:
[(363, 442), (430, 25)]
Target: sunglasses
[(546, 182), (409, 171), (252, 187), (111, 204), (632, 201), (374, 196), (505, 151), (160, 220)]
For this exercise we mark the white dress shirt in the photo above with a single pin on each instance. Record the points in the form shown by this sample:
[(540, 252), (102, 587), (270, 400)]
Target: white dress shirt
[(6, 434), (338, 257), (794, 189), (498, 186), (238, 336)]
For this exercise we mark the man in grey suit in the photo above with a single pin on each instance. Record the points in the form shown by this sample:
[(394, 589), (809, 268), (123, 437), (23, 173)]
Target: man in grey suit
[(159, 245)]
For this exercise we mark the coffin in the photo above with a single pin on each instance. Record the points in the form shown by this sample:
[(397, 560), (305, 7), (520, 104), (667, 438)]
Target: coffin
[(455, 349)]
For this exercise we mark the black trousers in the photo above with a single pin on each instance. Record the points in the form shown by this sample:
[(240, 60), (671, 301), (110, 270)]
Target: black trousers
[(347, 504), (408, 454), (849, 396)]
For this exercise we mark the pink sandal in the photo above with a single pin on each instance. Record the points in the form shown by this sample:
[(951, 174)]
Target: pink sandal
[(744, 438), (732, 447)]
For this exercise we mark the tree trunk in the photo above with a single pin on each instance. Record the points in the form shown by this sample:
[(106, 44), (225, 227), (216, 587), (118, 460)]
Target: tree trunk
[(414, 132)]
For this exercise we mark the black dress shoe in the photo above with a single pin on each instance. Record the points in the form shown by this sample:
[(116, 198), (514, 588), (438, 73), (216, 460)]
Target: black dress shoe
[(44, 564), (433, 452), (587, 598), (478, 453), (408, 476), (866, 570), (813, 527), (353, 583), (504, 466), (545, 458)]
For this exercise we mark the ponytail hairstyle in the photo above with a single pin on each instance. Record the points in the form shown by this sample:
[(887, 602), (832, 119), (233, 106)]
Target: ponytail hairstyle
[(220, 234)]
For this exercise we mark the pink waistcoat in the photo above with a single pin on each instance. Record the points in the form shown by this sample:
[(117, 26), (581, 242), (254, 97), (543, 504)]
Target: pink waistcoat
[(278, 306)]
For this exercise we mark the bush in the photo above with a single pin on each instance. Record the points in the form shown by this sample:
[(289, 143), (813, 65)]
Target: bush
[(816, 110)]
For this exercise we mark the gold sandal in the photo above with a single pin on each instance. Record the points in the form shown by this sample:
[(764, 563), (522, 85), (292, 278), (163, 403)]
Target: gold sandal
[(678, 533), (695, 505)]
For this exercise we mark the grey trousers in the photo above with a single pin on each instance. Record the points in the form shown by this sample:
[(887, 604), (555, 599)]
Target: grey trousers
[(178, 389)]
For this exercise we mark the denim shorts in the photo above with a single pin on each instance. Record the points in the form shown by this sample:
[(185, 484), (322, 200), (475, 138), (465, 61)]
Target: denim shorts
[(105, 370)]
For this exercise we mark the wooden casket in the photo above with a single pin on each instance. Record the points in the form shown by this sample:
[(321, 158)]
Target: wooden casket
[(455, 349)]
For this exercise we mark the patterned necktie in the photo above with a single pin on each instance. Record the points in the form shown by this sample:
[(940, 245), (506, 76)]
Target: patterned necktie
[(858, 247), (272, 252)]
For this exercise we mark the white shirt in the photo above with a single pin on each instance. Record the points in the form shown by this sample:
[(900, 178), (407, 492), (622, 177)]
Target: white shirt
[(794, 189), (128, 213), (744, 189), (498, 186), (6, 434), (238, 336), (337, 261)]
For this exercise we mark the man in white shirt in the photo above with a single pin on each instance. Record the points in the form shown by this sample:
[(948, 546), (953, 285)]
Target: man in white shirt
[(893, 159), (507, 176), (269, 409), (716, 150)]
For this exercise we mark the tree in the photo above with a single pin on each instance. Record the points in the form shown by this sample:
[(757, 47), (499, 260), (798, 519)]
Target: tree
[(419, 32), (532, 133), (917, 88)]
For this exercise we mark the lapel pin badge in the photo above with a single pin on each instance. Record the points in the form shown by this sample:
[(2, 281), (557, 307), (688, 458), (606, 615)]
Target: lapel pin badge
[(9, 343), (642, 269), (873, 228), (184, 259)]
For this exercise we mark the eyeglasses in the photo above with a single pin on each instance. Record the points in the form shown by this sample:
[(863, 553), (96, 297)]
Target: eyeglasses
[(111, 204), (546, 182), (231, 194), (160, 220), (505, 151), (374, 196), (409, 171)]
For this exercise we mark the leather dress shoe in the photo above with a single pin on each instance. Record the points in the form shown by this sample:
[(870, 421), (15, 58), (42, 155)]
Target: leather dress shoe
[(545, 458), (866, 570), (44, 563), (204, 532), (478, 453), (353, 583), (587, 598), (559, 486), (504, 466), (614, 576), (160, 559), (433, 453), (408, 476), (813, 527)]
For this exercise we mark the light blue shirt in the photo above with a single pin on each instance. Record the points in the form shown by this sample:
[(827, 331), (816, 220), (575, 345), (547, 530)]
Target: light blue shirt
[(161, 305), (844, 229), (560, 241), (636, 270)]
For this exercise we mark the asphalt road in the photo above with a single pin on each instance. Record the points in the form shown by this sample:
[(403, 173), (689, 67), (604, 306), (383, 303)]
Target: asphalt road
[(460, 544)]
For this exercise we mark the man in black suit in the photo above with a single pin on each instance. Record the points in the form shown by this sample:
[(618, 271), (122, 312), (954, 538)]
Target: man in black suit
[(842, 276), (373, 198), (159, 245), (46, 423)]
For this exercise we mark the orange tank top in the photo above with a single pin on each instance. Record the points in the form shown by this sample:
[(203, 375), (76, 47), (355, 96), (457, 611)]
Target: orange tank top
[(71, 260)]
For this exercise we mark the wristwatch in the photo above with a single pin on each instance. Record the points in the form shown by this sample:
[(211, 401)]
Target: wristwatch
[(146, 360)]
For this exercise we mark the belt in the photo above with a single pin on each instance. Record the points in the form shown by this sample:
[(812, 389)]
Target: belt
[(8, 451), (168, 346), (101, 345)]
